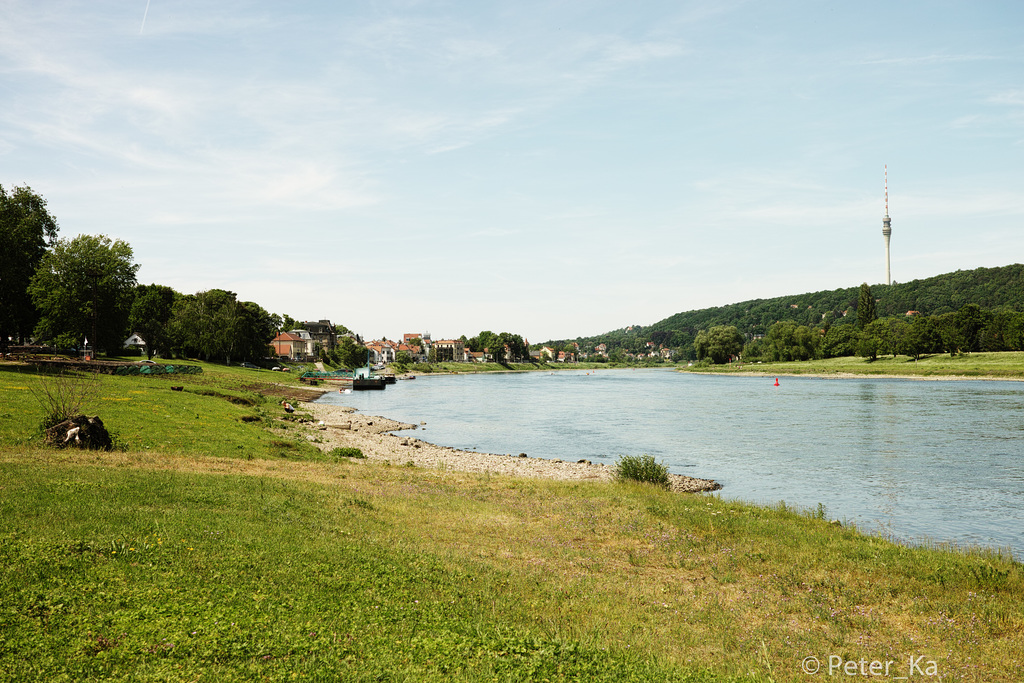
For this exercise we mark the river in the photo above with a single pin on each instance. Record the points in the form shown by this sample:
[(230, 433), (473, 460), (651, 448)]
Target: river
[(917, 461)]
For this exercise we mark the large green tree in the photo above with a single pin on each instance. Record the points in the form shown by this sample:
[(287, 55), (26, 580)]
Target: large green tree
[(351, 353), (865, 307), (507, 348), (83, 288), (215, 325), (26, 230), (890, 335), (150, 317), (787, 341), (923, 337), (718, 343), (839, 341)]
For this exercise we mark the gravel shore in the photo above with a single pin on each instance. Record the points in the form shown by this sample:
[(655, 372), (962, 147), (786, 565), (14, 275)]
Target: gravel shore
[(344, 427)]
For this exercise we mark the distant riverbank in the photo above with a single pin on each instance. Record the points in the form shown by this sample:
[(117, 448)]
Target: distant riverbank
[(1008, 365), (426, 369)]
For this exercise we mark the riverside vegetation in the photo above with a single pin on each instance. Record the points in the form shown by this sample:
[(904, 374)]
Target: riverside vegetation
[(979, 365), (220, 544)]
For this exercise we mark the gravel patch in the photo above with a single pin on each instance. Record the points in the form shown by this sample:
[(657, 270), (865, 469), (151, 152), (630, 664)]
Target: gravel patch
[(339, 426)]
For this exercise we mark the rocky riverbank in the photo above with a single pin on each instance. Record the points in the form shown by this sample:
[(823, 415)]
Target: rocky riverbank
[(338, 426)]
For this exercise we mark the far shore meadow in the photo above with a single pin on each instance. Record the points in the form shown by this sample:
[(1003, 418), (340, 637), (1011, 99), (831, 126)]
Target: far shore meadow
[(227, 539)]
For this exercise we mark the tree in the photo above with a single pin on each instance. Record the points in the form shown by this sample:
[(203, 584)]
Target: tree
[(923, 337), (485, 341), (752, 350), (215, 325), (889, 333), (719, 343), (952, 340), (253, 331), (998, 332), (515, 347), (787, 341), (26, 230), (150, 317), (867, 346), (288, 323), (203, 322), (351, 354), (84, 288), (839, 341), (970, 320), (865, 307)]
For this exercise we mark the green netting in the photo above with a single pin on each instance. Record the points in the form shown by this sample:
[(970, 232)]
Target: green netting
[(158, 370)]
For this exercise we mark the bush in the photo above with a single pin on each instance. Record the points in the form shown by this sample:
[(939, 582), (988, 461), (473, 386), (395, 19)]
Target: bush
[(63, 394), (346, 452), (641, 468)]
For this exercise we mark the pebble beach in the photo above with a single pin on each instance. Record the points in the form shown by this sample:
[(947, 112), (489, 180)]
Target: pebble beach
[(338, 426)]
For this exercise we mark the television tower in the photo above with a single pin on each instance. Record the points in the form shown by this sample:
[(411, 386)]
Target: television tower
[(887, 228)]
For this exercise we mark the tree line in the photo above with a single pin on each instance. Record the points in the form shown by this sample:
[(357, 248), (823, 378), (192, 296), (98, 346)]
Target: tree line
[(969, 329), (67, 291), (992, 289)]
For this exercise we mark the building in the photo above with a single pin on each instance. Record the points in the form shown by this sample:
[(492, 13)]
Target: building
[(135, 341), (290, 346), (323, 334), (450, 350)]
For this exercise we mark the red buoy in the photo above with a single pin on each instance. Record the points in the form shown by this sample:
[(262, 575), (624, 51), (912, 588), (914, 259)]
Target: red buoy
[(776, 381)]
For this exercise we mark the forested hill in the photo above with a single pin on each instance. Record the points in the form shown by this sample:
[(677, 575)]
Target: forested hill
[(989, 288)]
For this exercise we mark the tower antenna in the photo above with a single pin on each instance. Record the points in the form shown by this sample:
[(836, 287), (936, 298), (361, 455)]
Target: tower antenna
[(887, 228)]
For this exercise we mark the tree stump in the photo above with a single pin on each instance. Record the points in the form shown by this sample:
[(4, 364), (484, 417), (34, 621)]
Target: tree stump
[(80, 432)]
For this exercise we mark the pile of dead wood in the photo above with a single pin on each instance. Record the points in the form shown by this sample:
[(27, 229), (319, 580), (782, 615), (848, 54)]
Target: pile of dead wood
[(80, 432)]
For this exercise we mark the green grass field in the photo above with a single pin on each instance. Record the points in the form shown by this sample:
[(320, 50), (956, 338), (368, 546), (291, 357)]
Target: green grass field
[(220, 545), (1003, 365)]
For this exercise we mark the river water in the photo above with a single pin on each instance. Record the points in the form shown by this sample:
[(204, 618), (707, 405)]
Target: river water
[(918, 461)]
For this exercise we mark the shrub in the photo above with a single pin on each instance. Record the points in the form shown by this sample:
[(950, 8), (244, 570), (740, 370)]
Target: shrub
[(346, 452), (641, 468), (63, 394)]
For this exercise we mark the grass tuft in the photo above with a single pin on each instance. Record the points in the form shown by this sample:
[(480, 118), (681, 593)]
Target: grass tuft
[(641, 468), (345, 452)]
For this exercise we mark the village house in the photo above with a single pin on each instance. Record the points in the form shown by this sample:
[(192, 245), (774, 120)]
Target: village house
[(450, 350), (135, 341), (323, 334), (309, 351), (382, 351), (289, 346)]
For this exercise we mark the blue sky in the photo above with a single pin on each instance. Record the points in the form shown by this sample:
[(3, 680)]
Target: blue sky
[(553, 169)]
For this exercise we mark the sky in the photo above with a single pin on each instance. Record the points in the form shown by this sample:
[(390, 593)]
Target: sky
[(553, 169)]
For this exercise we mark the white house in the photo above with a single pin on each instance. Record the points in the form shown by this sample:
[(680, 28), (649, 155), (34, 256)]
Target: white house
[(135, 340)]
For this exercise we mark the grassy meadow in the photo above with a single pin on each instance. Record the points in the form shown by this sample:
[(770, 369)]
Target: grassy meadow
[(1001, 365), (216, 543)]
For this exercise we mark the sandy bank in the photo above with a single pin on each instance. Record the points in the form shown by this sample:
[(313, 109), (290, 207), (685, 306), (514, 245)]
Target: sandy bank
[(344, 427)]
